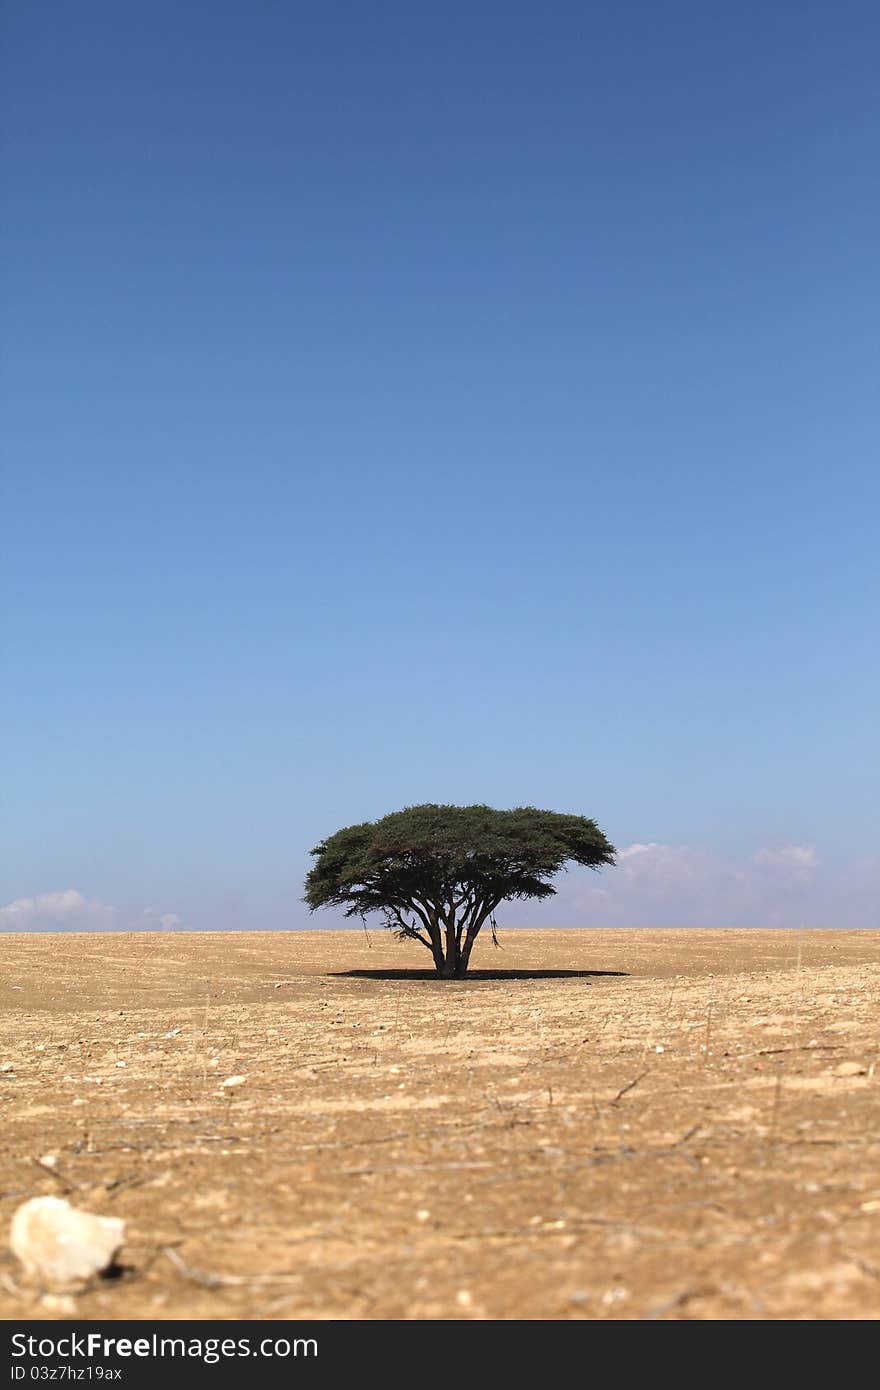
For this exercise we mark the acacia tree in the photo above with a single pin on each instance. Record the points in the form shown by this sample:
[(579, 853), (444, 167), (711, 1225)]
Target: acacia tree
[(436, 874)]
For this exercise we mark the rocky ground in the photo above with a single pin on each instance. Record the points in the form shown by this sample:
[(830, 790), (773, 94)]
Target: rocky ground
[(606, 1124)]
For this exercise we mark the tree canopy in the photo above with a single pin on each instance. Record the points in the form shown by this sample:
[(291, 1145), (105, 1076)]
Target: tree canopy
[(436, 874)]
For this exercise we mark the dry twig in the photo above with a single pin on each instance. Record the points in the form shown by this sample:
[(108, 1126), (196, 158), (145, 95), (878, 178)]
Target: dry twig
[(629, 1086), (223, 1281)]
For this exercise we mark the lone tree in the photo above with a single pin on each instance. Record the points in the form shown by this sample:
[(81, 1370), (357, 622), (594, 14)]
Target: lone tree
[(436, 874)]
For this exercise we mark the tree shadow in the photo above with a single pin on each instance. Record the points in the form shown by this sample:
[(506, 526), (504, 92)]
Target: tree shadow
[(475, 975)]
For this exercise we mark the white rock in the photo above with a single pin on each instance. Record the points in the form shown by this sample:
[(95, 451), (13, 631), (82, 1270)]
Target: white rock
[(61, 1245), (234, 1081), (850, 1069)]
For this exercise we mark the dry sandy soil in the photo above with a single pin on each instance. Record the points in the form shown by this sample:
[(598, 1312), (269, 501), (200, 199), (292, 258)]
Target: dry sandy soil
[(625, 1125)]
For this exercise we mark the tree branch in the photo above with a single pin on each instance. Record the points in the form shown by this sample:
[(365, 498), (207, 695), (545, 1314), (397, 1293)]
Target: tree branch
[(413, 906), (406, 928)]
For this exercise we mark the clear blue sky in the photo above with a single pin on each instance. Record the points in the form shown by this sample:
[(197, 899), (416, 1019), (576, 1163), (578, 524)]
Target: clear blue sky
[(456, 402)]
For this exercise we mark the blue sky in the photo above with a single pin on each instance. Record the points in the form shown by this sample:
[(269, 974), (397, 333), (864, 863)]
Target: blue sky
[(439, 402)]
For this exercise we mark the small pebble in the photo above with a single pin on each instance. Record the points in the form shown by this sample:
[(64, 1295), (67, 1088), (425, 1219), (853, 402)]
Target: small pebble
[(60, 1305)]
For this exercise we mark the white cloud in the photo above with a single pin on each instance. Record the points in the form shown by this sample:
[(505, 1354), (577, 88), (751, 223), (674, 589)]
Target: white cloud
[(153, 920), (65, 911), (70, 910), (791, 859), (657, 885)]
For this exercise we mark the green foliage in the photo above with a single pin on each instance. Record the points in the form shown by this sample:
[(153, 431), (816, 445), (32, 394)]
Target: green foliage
[(433, 871)]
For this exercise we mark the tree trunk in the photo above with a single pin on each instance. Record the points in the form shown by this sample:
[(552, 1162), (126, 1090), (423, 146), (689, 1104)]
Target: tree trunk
[(464, 958), (453, 955), (455, 965), (467, 945), (452, 970), (436, 943)]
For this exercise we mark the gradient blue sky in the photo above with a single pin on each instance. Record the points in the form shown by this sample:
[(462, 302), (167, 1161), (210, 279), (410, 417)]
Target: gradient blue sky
[(442, 402)]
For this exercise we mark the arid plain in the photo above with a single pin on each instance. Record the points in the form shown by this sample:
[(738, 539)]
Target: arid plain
[(595, 1125)]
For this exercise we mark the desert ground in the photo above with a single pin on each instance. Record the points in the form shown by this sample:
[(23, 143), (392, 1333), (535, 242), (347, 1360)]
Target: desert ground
[(595, 1125)]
